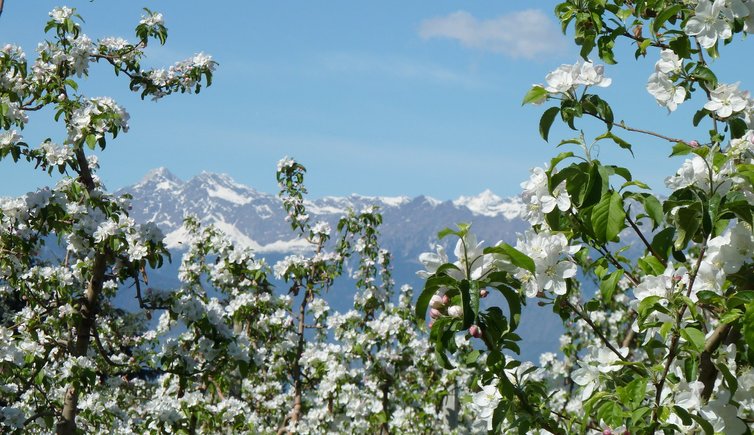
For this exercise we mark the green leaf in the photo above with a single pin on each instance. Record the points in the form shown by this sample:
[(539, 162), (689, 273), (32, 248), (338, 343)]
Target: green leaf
[(654, 210), (705, 74), (608, 285), (748, 325), (546, 121), (663, 241), (472, 356), (651, 265), (682, 46), (680, 149), (611, 412), (91, 141), (694, 336), (535, 95), (608, 217), (664, 16), (514, 305), (730, 380), (621, 143), (634, 392), (560, 157), (516, 257), (699, 115), (688, 222), (737, 127)]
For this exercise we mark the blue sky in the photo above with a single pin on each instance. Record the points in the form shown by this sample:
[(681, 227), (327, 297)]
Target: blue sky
[(376, 98)]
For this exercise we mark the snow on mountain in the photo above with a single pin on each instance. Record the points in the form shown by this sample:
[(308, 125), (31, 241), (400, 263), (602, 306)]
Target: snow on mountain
[(160, 179), (257, 220), (489, 204)]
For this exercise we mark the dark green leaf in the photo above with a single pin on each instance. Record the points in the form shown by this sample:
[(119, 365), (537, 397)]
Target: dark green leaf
[(546, 121), (608, 217)]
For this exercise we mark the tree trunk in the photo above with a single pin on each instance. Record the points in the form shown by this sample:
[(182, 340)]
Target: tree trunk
[(89, 309)]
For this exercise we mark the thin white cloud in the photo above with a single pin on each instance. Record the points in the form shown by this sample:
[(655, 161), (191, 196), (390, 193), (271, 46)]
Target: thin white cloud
[(525, 34), (397, 67)]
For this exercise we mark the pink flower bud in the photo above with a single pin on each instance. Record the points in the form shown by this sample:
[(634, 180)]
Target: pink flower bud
[(607, 432), (483, 293), (693, 144), (475, 331), (445, 299), (436, 301), (431, 322), (434, 313)]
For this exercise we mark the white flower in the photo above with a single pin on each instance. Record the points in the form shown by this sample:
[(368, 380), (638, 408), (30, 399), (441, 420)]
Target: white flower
[(455, 311), (722, 415), (285, 163), (665, 92), (590, 74), (559, 198), (561, 80), (534, 189), (567, 77), (669, 62), (696, 171), (551, 269), (727, 99), (707, 25), (152, 19), (587, 376), (8, 138), (485, 401), (59, 15), (56, 154)]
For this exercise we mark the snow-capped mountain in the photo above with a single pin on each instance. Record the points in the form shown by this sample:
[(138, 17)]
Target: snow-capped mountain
[(257, 219)]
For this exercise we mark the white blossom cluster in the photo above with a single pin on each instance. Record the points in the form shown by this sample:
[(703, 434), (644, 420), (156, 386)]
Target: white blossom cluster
[(713, 20), (566, 78), (661, 83)]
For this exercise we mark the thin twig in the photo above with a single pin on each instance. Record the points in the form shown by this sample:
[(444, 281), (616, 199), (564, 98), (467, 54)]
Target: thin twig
[(643, 239), (602, 337)]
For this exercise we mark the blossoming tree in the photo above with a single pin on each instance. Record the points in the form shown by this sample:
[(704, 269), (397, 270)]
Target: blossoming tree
[(224, 352), (660, 342)]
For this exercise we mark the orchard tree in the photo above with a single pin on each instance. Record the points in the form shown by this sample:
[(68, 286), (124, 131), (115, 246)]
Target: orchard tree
[(224, 352), (660, 342), (58, 323)]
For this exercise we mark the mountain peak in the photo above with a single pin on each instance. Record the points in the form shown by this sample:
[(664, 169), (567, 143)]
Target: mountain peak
[(161, 178), (489, 204), (222, 186)]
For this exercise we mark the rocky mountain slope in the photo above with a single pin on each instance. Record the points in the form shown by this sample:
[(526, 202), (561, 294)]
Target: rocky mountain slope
[(257, 220)]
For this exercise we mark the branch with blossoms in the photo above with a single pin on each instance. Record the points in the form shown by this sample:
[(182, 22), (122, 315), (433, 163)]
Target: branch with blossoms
[(679, 367)]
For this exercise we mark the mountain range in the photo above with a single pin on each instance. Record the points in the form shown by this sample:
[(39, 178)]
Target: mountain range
[(257, 220)]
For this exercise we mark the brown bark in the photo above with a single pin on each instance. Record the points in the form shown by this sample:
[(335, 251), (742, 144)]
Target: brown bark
[(298, 389), (707, 369), (89, 309)]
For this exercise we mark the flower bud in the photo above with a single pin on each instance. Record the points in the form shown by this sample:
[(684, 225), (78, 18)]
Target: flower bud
[(475, 331), (445, 299), (607, 432), (693, 144), (436, 301), (455, 311), (483, 293), (431, 322), (434, 313)]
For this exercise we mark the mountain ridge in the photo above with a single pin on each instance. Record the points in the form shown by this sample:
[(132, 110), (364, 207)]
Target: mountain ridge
[(240, 210)]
